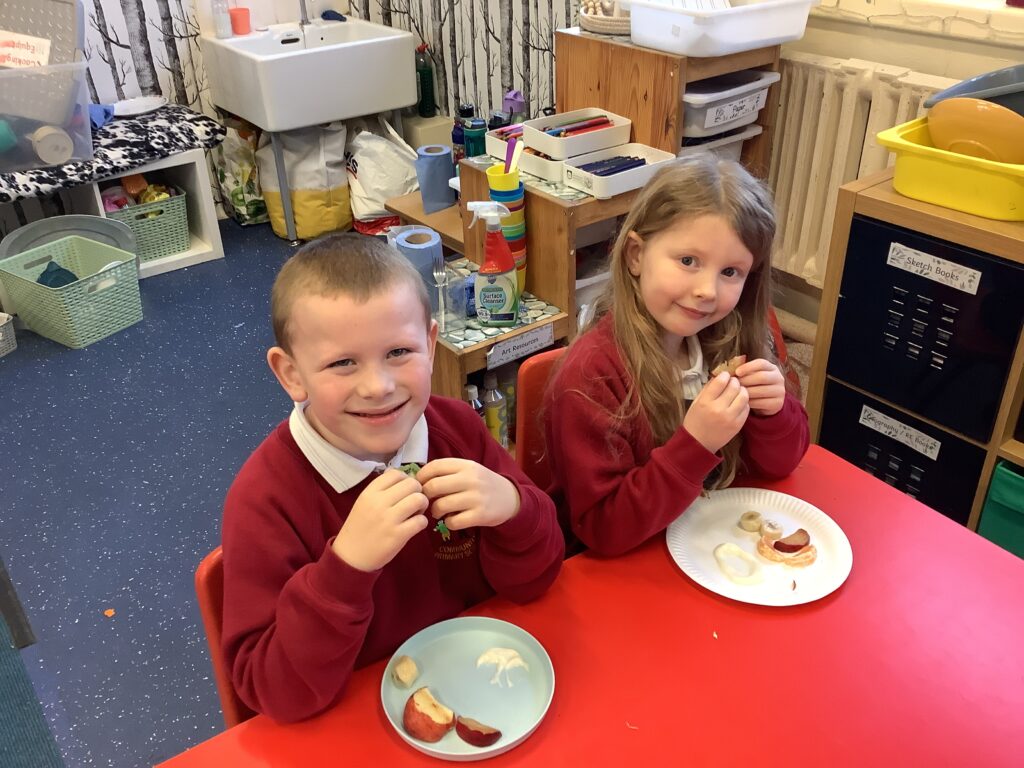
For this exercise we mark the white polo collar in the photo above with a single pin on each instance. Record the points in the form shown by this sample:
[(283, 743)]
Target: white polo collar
[(695, 377), (341, 470)]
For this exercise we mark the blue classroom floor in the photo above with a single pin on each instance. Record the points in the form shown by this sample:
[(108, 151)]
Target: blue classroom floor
[(115, 462)]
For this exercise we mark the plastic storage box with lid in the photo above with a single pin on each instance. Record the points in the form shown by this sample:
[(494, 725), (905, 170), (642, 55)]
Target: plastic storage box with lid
[(727, 146), (104, 299), (719, 104), (560, 148), (44, 116), (669, 25), (1002, 517), (603, 187), (963, 183)]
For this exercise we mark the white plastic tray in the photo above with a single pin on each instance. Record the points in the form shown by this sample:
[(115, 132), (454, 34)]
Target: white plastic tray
[(728, 147), (560, 149), (549, 170), (603, 187), (719, 104), (667, 25)]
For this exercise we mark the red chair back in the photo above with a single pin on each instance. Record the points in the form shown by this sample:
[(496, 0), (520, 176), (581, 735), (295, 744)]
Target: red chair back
[(210, 592), (531, 452)]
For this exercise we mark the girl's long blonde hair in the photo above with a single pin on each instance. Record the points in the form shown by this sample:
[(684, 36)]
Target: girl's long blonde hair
[(695, 186)]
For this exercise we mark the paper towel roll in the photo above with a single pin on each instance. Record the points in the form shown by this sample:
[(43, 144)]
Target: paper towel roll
[(433, 170), (419, 246)]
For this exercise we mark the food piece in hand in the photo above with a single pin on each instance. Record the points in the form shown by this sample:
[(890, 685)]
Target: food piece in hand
[(771, 530), (794, 542), (411, 469), (750, 521), (476, 733), (728, 550), (731, 366), (425, 718), (405, 672), (505, 659), (799, 559)]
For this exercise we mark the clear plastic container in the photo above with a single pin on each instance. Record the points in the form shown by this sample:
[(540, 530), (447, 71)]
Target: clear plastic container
[(45, 110), (667, 25), (718, 104), (729, 146)]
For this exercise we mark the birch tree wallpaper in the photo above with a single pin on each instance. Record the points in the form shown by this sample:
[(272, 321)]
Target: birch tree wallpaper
[(480, 48)]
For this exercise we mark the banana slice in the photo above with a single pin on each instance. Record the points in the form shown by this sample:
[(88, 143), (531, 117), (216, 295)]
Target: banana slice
[(728, 551), (750, 521)]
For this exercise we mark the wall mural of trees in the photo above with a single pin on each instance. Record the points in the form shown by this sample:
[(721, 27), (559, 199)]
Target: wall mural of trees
[(480, 49)]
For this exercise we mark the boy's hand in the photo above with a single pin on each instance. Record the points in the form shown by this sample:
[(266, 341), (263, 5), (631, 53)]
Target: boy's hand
[(765, 385), (467, 494), (718, 413), (386, 515)]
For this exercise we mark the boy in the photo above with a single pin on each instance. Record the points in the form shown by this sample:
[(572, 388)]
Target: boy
[(332, 556)]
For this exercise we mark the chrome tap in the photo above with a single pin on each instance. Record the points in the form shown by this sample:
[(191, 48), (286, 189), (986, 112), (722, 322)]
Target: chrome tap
[(303, 14)]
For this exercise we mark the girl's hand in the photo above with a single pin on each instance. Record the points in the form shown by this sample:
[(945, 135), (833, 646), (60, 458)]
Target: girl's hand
[(718, 413), (386, 515), (467, 494), (765, 384)]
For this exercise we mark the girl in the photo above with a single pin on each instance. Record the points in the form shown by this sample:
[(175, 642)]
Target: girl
[(635, 426)]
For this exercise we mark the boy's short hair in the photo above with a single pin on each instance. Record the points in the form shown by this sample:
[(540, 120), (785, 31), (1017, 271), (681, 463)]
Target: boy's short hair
[(350, 264)]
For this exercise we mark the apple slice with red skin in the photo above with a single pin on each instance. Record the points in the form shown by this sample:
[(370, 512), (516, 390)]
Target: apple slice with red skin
[(476, 733), (794, 542), (425, 718)]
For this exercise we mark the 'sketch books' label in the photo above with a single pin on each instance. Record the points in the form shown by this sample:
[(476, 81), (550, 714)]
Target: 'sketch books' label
[(900, 432), (932, 267)]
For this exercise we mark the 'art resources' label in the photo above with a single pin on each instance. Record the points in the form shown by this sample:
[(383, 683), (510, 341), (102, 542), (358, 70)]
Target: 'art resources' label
[(940, 270), (900, 432)]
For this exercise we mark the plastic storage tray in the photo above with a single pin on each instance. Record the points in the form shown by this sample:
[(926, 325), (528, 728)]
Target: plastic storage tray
[(722, 103), (160, 228), (549, 170), (1002, 517), (603, 187), (726, 147), (963, 183), (7, 341), (667, 25), (104, 300), (561, 148)]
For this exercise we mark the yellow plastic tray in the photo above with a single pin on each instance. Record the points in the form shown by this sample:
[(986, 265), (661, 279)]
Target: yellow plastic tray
[(963, 183)]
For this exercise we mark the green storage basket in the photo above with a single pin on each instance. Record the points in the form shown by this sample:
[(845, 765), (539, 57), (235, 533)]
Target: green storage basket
[(7, 341), (163, 234), (104, 300), (1002, 517)]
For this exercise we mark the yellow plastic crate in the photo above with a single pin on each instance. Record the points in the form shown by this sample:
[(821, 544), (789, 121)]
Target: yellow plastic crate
[(963, 183)]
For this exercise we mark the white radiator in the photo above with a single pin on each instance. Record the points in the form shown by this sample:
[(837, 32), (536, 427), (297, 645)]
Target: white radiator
[(829, 114)]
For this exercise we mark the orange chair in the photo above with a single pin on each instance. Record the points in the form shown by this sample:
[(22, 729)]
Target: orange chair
[(210, 591), (531, 453)]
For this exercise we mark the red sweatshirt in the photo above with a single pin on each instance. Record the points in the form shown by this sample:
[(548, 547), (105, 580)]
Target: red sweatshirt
[(298, 620), (619, 489)]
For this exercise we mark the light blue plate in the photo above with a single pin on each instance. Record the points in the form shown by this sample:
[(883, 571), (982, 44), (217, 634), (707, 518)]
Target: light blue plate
[(446, 655)]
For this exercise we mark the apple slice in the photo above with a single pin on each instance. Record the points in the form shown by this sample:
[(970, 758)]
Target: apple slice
[(425, 718), (476, 733), (794, 542)]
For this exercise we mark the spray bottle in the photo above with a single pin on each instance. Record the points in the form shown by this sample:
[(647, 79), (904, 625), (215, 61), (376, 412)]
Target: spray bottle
[(497, 296)]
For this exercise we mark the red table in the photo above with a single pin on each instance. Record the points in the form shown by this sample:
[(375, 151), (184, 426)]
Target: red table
[(916, 660)]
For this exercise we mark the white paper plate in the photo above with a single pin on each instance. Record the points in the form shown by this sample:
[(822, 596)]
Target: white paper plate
[(708, 522), (446, 655), (138, 106)]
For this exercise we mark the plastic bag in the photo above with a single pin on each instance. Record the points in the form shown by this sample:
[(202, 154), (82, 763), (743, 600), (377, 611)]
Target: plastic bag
[(380, 166), (238, 173), (315, 159)]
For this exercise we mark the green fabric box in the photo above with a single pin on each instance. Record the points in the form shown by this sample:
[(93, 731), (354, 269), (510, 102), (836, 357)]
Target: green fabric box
[(1002, 517)]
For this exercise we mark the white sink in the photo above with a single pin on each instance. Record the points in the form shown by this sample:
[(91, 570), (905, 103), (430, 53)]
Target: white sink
[(294, 76)]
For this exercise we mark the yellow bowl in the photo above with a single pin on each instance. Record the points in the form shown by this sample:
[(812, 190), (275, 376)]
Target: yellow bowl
[(978, 128)]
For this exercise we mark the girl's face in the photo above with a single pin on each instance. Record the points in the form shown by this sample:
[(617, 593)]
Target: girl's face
[(690, 275)]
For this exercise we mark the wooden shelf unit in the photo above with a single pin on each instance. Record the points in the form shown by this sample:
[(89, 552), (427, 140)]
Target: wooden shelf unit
[(874, 197), (647, 86)]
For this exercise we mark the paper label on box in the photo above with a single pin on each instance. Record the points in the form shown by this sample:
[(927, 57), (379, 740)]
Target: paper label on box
[(900, 432), (932, 267), (521, 346), (734, 110), (18, 50)]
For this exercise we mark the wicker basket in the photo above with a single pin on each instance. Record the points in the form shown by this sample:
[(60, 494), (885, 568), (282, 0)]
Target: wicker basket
[(606, 25), (7, 341), (104, 300), (159, 235)]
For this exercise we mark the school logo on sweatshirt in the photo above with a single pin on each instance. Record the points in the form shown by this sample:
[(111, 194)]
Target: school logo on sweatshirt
[(459, 546)]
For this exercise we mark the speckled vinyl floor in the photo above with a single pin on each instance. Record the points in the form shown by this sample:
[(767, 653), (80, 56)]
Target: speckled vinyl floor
[(114, 462)]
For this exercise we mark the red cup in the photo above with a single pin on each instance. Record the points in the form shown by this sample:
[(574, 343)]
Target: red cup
[(240, 21)]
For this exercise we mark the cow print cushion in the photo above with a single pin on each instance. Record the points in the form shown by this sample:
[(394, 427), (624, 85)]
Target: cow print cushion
[(120, 146)]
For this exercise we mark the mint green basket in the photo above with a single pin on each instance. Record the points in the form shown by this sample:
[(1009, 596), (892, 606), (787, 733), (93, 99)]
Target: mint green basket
[(161, 227), (104, 300)]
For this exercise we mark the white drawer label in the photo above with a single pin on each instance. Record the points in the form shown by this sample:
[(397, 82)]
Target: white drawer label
[(521, 346), (900, 432), (734, 110), (23, 51), (932, 267)]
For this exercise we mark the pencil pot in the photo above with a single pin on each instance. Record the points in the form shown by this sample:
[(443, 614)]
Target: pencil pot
[(499, 181)]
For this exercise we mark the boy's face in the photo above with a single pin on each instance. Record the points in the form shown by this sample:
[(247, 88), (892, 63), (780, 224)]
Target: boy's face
[(364, 367)]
